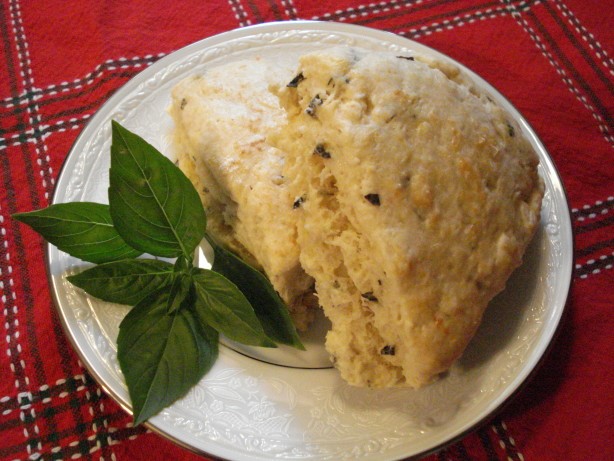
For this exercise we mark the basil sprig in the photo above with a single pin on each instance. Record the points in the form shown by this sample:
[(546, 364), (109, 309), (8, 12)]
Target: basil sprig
[(269, 307), (169, 339), (81, 229)]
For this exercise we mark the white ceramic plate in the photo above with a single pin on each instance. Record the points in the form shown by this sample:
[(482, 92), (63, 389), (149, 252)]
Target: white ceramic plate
[(247, 409)]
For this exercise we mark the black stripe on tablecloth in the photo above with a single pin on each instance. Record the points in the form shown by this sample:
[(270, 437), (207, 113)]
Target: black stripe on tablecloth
[(289, 7), (594, 225), (111, 65), (424, 7), (594, 248), (7, 132), (79, 392), (510, 449), (456, 452), (16, 133), (19, 253), (12, 308), (96, 401), (28, 101), (597, 208), (370, 8), (587, 55), (10, 305), (240, 14), (13, 84), (76, 400), (595, 266), (58, 126), (595, 229), (464, 13), (7, 51), (467, 16), (29, 85), (69, 412), (60, 441), (586, 36), (277, 14), (11, 315), (279, 11), (255, 11), (461, 452), (544, 35), (486, 442), (453, 17), (91, 106)]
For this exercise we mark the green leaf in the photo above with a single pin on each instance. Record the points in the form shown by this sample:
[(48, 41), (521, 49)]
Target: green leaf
[(169, 339), (81, 229), (219, 303), (154, 206), (268, 306), (162, 355), (124, 282), (182, 283)]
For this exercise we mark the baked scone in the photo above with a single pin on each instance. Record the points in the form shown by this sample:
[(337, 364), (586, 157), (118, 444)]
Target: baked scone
[(221, 119), (415, 198)]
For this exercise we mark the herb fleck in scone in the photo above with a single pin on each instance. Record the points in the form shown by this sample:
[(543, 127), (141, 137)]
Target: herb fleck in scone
[(414, 198), (221, 120)]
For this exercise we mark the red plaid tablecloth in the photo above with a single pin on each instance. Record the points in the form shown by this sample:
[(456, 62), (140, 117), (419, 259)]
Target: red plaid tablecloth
[(59, 61)]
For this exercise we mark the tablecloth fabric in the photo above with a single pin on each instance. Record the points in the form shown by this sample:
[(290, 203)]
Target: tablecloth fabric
[(59, 61)]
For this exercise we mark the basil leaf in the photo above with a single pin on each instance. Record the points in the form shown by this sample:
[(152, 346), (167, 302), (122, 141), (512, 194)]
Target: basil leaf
[(219, 303), (181, 285), (268, 306), (162, 355), (81, 229), (124, 282), (154, 206)]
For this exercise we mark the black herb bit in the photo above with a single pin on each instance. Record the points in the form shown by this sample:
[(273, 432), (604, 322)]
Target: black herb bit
[(297, 203), (388, 350), (369, 296), (409, 58), (313, 104), (321, 151), (510, 130), (373, 199), (296, 80), (184, 101)]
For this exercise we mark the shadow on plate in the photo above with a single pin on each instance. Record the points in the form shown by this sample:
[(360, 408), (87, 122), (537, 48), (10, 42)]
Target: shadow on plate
[(506, 312)]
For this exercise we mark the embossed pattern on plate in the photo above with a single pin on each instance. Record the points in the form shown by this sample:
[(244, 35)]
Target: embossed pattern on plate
[(249, 410)]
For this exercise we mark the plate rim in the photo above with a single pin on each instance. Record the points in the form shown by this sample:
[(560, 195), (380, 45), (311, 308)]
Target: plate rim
[(320, 26)]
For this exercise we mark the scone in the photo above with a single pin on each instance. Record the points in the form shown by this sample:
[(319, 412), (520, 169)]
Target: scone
[(221, 119), (415, 198)]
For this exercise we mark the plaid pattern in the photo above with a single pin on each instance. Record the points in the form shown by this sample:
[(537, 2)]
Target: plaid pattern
[(61, 60)]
